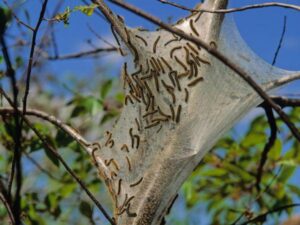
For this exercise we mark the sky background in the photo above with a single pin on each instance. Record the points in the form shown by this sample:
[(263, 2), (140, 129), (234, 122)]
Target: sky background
[(261, 29)]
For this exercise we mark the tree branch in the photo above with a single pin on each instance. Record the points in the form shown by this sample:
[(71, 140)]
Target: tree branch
[(82, 54), (232, 10)]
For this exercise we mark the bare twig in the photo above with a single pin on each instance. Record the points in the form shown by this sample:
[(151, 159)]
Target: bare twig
[(219, 56), (232, 10), (17, 18), (52, 119), (82, 54), (61, 160), (268, 146), (6, 204), (280, 41), (17, 133), (286, 102), (262, 217)]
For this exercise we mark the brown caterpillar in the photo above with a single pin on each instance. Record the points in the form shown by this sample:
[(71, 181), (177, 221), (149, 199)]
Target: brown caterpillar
[(156, 80), (142, 39), (146, 77), (178, 114), (181, 63), (186, 99), (170, 90), (113, 174), (171, 77), (130, 214), (137, 124), (166, 63), (119, 186), (132, 138), (179, 76), (193, 28), (194, 82), (151, 99), (162, 113), (129, 164), (203, 60), (177, 82), (150, 113), (161, 119), (148, 67), (136, 183), (170, 41), (192, 48), (138, 71), (213, 44), (127, 97), (94, 157), (172, 112), (156, 64), (111, 143), (125, 147), (192, 66), (173, 50), (137, 137), (159, 129), (152, 125), (160, 65), (108, 139), (135, 97), (122, 206), (195, 59), (107, 163), (155, 44)]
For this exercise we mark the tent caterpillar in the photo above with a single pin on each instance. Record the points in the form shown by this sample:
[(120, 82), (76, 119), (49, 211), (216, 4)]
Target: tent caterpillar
[(166, 63), (128, 163), (181, 63), (173, 50), (152, 125), (194, 82), (155, 44), (178, 114), (193, 28), (142, 39), (136, 183)]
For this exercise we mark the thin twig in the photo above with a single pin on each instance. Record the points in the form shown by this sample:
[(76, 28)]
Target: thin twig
[(52, 119), (244, 8), (218, 55), (262, 217), (268, 146), (8, 208), (17, 134), (280, 41), (62, 161), (82, 54)]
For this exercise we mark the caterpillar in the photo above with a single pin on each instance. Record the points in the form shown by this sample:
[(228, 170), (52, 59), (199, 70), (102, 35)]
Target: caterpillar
[(177, 82), (142, 39), (137, 137), (166, 63), (125, 147), (152, 125), (184, 74), (162, 113), (171, 77), (119, 186), (155, 44), (178, 114), (136, 183), (186, 99), (172, 112), (173, 50), (148, 67), (150, 113), (193, 28), (137, 124), (192, 48), (194, 82), (181, 63), (130, 214), (159, 129), (160, 65), (117, 40), (170, 41), (128, 163), (170, 90), (138, 71), (127, 97)]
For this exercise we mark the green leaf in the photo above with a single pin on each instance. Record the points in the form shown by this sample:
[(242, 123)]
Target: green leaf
[(294, 189), (286, 173), (108, 116), (105, 88), (214, 172), (86, 209), (86, 9), (64, 16), (275, 151)]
